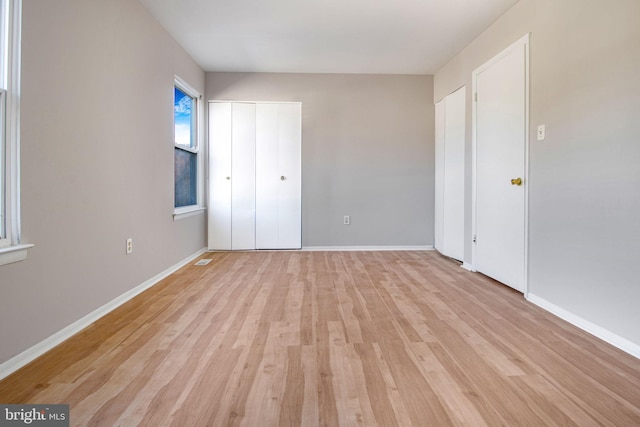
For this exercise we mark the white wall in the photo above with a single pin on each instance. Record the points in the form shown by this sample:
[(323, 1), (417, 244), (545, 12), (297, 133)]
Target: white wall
[(97, 163), (367, 152), (584, 178)]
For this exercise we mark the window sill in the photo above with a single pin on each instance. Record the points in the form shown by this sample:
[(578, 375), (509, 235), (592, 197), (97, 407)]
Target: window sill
[(188, 211), (13, 254)]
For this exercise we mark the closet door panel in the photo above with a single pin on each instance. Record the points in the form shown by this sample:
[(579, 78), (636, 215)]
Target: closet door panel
[(439, 178), (243, 178), (219, 212), (290, 185), (267, 177), (453, 212)]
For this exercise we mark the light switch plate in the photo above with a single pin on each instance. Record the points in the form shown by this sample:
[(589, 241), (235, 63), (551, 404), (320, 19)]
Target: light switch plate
[(541, 132)]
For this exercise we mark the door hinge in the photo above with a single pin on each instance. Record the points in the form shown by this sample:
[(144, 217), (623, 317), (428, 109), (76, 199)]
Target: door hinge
[(475, 97), (475, 239)]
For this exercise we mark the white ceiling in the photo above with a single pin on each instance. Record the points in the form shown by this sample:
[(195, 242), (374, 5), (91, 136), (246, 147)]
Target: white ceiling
[(325, 36)]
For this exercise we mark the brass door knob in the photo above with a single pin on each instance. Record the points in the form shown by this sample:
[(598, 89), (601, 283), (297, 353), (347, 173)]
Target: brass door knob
[(228, 178), (516, 181), (282, 178)]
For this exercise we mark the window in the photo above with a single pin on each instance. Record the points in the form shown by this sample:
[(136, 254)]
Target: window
[(3, 150), (186, 150), (11, 249), (188, 164)]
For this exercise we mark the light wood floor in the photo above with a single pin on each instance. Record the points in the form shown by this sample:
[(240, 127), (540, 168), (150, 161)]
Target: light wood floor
[(332, 338)]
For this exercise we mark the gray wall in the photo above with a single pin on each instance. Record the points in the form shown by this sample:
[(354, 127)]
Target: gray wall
[(584, 178), (368, 152), (97, 163)]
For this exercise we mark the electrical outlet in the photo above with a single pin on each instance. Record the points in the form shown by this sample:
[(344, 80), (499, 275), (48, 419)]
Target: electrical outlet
[(129, 245), (347, 220)]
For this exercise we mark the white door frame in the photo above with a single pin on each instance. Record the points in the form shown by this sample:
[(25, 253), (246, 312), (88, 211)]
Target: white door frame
[(523, 42)]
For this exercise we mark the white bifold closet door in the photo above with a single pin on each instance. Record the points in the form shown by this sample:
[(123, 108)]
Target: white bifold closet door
[(219, 208), (243, 176), (449, 201), (278, 176), (439, 181), (232, 176), (255, 176)]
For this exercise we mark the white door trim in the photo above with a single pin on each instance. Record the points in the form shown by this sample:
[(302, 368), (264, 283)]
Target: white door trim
[(523, 42)]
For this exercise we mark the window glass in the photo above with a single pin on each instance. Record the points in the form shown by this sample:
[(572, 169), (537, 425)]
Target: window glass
[(185, 119), (186, 149), (3, 150), (186, 178), (4, 86)]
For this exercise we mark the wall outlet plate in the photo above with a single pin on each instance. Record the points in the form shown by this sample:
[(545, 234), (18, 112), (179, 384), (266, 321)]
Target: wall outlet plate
[(129, 245)]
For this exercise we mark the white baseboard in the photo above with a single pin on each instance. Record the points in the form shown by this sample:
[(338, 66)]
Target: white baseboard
[(598, 331), (468, 266), (367, 248), (32, 353)]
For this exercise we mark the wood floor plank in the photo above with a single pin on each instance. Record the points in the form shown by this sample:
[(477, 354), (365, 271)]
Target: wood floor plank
[(293, 399), (109, 412), (577, 415), (266, 395), (397, 402), (286, 338), (311, 392), (327, 404), (210, 384), (382, 403), (456, 401)]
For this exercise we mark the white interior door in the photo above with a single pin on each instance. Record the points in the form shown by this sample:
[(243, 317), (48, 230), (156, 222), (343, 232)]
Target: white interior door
[(243, 177), (290, 176), (453, 209), (267, 176), (219, 210), (449, 179), (501, 128), (439, 178)]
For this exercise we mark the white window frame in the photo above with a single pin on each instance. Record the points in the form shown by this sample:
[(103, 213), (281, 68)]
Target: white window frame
[(199, 207), (11, 247)]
